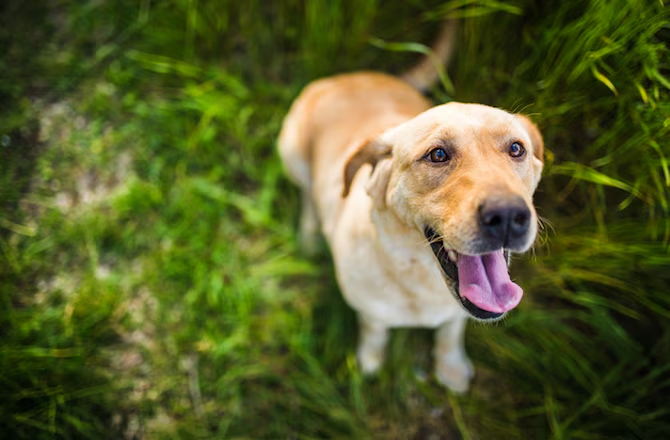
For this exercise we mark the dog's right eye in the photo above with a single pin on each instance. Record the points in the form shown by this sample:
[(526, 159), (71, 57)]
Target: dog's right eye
[(438, 155)]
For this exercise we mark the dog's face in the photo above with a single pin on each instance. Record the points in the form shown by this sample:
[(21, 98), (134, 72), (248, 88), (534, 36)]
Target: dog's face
[(464, 175)]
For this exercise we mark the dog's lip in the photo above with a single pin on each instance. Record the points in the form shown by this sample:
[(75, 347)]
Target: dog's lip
[(450, 271)]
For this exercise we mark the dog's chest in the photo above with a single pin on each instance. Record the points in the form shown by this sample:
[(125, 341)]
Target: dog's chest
[(416, 292), (393, 277)]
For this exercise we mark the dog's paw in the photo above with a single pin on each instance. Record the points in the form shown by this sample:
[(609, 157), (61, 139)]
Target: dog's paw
[(370, 361), (455, 373)]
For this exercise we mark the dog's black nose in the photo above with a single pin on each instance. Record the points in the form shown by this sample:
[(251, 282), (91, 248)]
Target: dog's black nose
[(503, 220)]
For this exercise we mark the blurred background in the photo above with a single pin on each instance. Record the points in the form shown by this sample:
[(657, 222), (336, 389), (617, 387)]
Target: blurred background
[(151, 284)]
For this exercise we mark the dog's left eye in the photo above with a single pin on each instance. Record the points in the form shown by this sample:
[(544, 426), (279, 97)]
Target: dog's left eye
[(438, 155), (516, 150)]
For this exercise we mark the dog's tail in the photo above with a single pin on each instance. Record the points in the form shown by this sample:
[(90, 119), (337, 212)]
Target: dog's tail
[(427, 73)]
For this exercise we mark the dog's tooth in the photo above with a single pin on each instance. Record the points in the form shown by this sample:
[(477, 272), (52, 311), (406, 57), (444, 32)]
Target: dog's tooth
[(452, 255)]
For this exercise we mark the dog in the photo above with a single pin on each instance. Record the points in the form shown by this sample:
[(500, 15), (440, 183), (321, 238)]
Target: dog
[(421, 206)]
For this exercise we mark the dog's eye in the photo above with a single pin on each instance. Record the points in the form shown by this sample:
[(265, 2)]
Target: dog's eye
[(516, 150), (438, 155)]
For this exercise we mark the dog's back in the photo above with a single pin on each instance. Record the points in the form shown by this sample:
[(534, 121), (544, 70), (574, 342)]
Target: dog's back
[(334, 116), (330, 120)]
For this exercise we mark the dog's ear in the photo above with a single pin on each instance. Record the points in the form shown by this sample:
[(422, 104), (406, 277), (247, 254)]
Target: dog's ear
[(379, 181), (535, 137), (538, 148), (371, 151)]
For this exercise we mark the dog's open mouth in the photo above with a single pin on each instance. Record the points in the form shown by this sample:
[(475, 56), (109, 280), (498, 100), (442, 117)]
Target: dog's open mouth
[(481, 282)]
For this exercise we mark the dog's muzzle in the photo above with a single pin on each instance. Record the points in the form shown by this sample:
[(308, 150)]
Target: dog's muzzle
[(481, 283)]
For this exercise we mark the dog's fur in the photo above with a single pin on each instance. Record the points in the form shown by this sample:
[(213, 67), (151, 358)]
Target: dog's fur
[(360, 146)]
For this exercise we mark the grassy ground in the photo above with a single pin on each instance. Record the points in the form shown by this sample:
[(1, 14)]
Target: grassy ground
[(150, 281)]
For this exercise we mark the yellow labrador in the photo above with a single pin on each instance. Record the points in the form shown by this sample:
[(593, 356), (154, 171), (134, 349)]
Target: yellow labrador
[(420, 206)]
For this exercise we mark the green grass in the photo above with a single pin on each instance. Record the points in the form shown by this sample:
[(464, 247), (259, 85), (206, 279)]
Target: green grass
[(150, 279)]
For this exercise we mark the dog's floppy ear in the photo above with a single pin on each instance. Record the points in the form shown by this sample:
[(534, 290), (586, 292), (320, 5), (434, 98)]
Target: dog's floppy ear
[(379, 182), (371, 151), (535, 137), (538, 148)]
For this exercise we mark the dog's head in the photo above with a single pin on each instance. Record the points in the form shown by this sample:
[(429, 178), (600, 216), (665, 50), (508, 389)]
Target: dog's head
[(463, 175)]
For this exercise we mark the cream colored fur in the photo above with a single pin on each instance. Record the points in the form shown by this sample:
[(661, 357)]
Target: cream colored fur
[(373, 220)]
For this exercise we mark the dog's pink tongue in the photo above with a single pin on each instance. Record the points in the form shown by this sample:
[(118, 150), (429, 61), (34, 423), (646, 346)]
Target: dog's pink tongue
[(484, 280)]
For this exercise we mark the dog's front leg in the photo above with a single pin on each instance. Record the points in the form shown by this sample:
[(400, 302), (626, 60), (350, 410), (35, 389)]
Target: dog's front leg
[(309, 225), (452, 366), (372, 343)]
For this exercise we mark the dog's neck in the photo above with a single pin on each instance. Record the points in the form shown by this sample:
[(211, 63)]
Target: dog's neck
[(408, 259), (396, 240)]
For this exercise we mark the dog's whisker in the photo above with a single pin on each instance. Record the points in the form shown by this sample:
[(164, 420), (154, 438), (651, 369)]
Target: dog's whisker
[(433, 240), (545, 230)]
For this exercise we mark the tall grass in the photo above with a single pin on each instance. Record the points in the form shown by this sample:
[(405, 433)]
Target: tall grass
[(151, 283)]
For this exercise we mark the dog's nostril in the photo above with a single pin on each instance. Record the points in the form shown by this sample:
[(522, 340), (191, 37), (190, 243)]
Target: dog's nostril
[(504, 220), (520, 219), (492, 220)]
